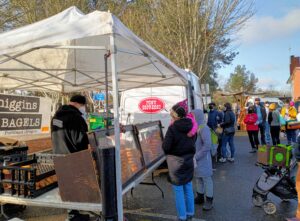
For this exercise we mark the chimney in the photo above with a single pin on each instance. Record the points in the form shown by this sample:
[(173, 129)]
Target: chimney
[(295, 62)]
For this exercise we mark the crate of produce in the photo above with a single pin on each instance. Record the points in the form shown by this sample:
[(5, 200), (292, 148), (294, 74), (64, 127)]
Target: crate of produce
[(293, 125), (29, 178), (132, 162), (150, 137)]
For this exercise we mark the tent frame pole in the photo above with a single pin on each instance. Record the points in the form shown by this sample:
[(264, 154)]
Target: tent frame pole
[(116, 126)]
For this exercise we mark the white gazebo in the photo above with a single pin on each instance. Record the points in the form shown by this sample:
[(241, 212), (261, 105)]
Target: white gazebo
[(65, 53)]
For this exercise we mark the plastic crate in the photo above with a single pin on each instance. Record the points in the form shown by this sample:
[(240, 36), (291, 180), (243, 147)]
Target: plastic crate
[(30, 178), (12, 154)]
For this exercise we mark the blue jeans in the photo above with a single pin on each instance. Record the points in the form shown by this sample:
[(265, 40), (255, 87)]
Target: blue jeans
[(267, 133), (184, 198), (291, 136), (227, 138)]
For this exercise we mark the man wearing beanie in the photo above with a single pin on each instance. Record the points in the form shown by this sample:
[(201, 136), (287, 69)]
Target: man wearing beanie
[(68, 127)]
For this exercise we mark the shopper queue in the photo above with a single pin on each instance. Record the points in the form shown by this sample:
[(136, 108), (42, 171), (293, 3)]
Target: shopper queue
[(189, 142)]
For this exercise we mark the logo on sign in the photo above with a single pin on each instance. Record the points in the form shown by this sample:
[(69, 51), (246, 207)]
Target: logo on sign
[(151, 105)]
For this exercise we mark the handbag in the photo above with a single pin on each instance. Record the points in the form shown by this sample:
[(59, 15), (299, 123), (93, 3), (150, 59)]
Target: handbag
[(229, 130)]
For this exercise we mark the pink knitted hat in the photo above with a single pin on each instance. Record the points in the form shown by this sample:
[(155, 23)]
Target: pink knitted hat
[(184, 104)]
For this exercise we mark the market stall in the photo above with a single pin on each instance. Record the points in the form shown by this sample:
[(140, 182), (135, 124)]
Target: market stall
[(65, 53)]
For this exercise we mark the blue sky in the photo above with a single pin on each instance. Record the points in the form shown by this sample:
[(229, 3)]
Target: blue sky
[(267, 41)]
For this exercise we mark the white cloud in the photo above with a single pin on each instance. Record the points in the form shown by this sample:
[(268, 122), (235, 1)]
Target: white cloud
[(262, 29), (270, 82)]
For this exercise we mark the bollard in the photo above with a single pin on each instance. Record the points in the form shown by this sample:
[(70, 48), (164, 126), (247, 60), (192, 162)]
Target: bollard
[(106, 166)]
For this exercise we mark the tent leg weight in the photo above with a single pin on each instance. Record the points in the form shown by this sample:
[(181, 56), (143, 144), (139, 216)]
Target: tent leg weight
[(106, 165)]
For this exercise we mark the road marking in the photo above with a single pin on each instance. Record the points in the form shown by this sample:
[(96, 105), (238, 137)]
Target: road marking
[(155, 215)]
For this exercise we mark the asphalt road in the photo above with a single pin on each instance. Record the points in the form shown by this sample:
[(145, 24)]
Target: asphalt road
[(233, 184)]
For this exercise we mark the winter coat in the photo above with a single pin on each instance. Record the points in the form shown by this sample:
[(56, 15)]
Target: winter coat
[(203, 147), (251, 122), (229, 119), (291, 113), (68, 131), (180, 150), (214, 118), (263, 112), (273, 118)]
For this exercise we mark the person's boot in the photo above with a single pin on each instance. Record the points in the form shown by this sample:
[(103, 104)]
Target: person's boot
[(208, 205), (199, 199)]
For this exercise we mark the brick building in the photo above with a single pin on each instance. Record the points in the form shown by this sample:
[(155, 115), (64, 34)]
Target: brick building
[(294, 78)]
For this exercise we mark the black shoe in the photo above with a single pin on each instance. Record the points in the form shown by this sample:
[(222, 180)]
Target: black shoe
[(189, 218), (76, 216), (253, 151), (199, 199), (208, 205)]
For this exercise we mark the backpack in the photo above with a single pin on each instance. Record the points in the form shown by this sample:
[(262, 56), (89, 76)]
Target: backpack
[(214, 141)]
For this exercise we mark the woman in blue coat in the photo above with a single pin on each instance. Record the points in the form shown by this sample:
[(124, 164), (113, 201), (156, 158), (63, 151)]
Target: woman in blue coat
[(203, 168)]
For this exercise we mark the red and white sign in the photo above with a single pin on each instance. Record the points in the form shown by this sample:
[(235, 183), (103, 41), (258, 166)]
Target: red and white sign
[(151, 105)]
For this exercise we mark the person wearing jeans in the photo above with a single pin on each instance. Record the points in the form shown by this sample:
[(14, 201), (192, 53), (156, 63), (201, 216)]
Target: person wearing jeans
[(267, 125), (228, 126), (179, 148), (289, 113), (273, 120), (252, 128), (261, 112)]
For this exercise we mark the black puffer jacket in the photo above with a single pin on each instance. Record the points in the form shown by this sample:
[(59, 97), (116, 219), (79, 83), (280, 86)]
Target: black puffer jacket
[(68, 131), (180, 150)]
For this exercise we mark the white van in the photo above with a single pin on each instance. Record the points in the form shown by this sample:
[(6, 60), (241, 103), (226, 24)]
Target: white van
[(275, 100), (154, 103)]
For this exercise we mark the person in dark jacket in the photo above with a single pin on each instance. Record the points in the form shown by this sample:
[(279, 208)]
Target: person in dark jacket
[(68, 133), (261, 112), (214, 117), (68, 127), (228, 126), (180, 150)]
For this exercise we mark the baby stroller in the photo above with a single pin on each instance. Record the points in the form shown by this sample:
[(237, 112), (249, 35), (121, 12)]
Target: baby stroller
[(277, 181)]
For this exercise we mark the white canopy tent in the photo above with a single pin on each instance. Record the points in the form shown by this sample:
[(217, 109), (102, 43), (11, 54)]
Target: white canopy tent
[(65, 53)]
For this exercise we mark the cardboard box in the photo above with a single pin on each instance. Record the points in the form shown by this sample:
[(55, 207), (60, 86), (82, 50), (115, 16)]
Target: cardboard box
[(281, 155), (263, 154), (274, 156)]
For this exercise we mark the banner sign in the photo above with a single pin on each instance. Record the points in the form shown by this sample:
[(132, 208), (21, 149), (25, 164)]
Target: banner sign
[(22, 115), (11, 103), (151, 105), (20, 121), (99, 97)]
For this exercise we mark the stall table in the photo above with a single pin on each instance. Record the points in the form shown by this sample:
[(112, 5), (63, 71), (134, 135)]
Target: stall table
[(52, 198)]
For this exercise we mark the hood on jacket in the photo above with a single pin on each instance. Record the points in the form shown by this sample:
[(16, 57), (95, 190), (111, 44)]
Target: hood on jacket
[(199, 116), (65, 109), (183, 125)]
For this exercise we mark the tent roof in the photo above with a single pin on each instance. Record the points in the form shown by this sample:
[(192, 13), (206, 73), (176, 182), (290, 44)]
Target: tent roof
[(65, 53)]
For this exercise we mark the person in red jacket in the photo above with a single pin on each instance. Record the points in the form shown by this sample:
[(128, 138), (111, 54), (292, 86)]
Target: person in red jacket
[(251, 121)]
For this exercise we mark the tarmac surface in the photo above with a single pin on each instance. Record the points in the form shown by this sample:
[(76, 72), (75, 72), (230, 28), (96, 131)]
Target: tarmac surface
[(233, 183)]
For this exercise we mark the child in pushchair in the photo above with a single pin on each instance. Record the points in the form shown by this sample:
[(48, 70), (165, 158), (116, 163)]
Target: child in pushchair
[(275, 180)]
